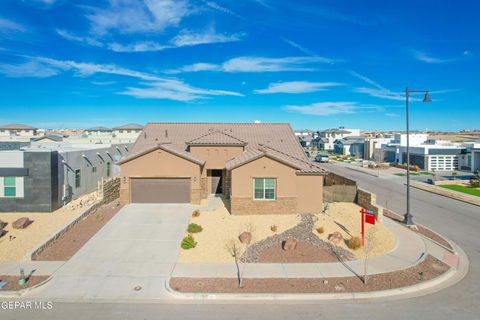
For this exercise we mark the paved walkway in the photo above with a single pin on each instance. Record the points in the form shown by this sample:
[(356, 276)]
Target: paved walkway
[(138, 247), (409, 250), (40, 268)]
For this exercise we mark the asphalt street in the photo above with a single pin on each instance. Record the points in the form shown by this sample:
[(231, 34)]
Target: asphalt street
[(457, 220)]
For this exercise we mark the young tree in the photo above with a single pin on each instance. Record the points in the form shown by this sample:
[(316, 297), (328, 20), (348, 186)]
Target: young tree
[(369, 244), (454, 174), (233, 249)]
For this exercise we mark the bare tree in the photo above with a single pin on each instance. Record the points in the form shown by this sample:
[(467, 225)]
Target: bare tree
[(369, 244), (234, 249)]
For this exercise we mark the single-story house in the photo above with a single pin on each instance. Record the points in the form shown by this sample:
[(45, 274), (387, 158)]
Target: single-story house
[(17, 129), (260, 168)]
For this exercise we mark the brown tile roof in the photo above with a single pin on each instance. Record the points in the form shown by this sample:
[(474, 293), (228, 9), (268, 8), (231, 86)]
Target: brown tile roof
[(166, 147), (276, 140), (216, 138)]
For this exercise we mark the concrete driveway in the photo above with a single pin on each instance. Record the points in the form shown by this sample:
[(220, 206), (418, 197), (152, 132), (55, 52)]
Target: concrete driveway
[(138, 247)]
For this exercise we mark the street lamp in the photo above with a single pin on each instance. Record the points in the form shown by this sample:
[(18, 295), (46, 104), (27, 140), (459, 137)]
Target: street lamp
[(408, 218)]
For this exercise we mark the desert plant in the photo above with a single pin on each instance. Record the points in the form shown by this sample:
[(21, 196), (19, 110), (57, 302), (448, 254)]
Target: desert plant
[(98, 217), (474, 183), (354, 243), (274, 228), (320, 230), (194, 228), (188, 242), (196, 213)]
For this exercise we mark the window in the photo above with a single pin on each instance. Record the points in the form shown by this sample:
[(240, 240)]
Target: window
[(77, 178), (108, 169), (10, 188), (94, 169), (264, 189)]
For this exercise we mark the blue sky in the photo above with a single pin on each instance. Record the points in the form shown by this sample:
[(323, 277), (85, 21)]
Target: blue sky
[(66, 63)]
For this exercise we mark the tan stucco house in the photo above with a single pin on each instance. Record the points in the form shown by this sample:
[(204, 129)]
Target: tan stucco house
[(260, 168)]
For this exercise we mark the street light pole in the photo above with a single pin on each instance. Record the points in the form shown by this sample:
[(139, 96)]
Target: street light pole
[(408, 217)]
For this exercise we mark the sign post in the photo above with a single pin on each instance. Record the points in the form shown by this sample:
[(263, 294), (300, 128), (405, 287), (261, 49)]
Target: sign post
[(368, 216)]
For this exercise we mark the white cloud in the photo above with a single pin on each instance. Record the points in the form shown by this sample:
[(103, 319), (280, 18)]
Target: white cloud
[(33, 69), (156, 87), (8, 26), (174, 90), (140, 46), (220, 8), (135, 16), (192, 38), (296, 87), (421, 56), (72, 37), (256, 64), (325, 108), (299, 47), (381, 93), (263, 3)]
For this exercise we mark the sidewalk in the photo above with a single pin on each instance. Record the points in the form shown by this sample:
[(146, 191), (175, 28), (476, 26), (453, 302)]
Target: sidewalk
[(42, 268), (409, 250)]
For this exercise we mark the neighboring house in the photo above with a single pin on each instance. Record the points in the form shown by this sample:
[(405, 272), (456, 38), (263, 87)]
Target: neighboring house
[(303, 133), (44, 177), (17, 130), (49, 138), (350, 146), (373, 147), (427, 154), (260, 168), (98, 131), (306, 141), (129, 131), (326, 138)]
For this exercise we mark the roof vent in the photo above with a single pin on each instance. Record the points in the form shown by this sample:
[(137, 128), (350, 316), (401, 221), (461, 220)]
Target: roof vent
[(166, 133), (145, 135)]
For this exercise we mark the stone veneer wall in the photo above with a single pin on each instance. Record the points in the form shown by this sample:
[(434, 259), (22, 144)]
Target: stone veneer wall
[(196, 196), (339, 189), (109, 189), (204, 187), (368, 200), (246, 206)]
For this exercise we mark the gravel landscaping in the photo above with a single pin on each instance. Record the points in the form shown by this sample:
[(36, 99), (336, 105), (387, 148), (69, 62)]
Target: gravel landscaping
[(15, 244), (301, 232), (71, 241), (12, 282), (427, 270), (303, 253)]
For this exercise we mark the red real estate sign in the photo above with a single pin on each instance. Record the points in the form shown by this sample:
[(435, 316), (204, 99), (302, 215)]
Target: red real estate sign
[(368, 216)]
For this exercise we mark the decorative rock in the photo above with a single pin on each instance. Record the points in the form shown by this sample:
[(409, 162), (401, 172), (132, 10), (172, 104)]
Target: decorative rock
[(290, 244), (335, 237), (245, 237), (2, 224), (21, 223)]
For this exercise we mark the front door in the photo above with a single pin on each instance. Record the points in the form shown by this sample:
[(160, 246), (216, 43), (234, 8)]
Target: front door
[(216, 176)]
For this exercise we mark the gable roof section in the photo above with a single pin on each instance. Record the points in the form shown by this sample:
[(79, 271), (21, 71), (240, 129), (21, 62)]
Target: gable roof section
[(216, 138), (165, 147), (269, 152)]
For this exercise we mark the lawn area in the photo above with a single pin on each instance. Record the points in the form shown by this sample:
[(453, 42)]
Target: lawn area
[(404, 174), (426, 173), (463, 189)]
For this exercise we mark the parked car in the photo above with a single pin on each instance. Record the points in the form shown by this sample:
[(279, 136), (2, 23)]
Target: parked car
[(322, 158)]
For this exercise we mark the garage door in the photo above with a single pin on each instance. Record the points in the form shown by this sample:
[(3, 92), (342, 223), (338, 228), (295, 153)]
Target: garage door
[(160, 190)]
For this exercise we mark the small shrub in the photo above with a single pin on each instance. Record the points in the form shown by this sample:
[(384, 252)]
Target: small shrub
[(354, 243), (474, 183), (98, 217), (188, 242), (194, 228), (320, 230), (196, 213), (274, 228)]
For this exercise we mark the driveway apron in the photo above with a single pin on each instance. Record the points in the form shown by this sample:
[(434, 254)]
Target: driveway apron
[(130, 257)]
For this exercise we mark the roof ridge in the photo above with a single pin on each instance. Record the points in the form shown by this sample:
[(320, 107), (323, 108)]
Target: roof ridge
[(289, 155)]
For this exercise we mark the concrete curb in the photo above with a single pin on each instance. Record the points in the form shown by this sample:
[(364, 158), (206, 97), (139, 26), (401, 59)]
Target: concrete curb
[(19, 293), (443, 281), (447, 194)]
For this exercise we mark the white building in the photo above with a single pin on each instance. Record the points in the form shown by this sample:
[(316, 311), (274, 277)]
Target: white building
[(17, 130), (373, 147), (98, 131), (326, 138), (128, 131), (427, 154)]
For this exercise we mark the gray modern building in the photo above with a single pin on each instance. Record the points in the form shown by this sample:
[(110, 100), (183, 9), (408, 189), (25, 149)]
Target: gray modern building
[(45, 176)]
